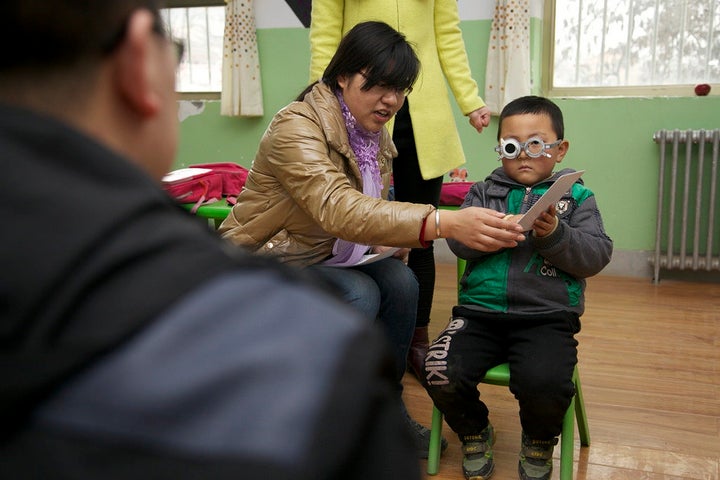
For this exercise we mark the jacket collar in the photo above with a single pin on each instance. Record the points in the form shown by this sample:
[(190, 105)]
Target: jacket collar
[(324, 102)]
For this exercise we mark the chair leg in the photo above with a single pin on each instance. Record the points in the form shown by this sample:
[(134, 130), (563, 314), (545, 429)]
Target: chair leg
[(576, 409), (582, 420), (434, 450), (567, 443)]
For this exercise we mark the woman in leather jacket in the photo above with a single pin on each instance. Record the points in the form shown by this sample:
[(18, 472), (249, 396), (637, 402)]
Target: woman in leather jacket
[(433, 28), (316, 193)]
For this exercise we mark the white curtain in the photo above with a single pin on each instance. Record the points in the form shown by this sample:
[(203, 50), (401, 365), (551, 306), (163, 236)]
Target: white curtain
[(507, 75), (241, 87)]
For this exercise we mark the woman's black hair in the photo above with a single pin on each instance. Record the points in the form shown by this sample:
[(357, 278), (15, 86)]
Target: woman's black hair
[(377, 50), (536, 106)]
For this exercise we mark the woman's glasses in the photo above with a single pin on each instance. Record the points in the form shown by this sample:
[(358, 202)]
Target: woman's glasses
[(382, 89)]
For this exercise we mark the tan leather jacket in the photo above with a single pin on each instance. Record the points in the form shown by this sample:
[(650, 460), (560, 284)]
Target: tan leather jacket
[(304, 190)]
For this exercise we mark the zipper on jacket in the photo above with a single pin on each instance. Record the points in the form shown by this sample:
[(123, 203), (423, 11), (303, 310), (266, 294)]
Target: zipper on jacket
[(527, 194)]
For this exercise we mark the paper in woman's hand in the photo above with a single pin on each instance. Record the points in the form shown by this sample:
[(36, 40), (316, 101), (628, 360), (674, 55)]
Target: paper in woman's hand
[(368, 258)]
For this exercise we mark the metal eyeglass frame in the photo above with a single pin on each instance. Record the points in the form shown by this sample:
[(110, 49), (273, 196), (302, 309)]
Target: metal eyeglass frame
[(517, 147)]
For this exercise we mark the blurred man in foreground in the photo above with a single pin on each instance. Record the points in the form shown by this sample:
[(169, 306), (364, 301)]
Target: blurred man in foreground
[(133, 342)]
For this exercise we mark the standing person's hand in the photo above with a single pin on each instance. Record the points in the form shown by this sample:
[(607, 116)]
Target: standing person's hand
[(480, 118)]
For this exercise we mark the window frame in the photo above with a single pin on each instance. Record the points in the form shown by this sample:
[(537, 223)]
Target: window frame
[(548, 61), (208, 95), (193, 3)]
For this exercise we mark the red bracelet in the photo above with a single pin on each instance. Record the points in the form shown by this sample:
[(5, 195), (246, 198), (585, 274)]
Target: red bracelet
[(423, 243)]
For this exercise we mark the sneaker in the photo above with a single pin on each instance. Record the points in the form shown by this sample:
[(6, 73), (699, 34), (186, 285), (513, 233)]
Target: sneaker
[(422, 438), (536, 458), (477, 452)]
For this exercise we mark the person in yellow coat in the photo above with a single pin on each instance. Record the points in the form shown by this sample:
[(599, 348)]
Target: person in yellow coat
[(424, 130)]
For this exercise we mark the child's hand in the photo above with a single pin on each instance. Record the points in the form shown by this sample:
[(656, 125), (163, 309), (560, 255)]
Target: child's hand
[(546, 223)]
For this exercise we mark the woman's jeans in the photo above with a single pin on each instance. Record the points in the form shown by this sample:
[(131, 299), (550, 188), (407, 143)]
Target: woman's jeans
[(386, 291)]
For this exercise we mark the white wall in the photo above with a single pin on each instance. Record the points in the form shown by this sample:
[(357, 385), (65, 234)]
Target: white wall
[(275, 14)]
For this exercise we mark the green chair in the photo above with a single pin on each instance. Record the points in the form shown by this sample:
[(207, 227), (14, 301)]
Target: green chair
[(500, 375)]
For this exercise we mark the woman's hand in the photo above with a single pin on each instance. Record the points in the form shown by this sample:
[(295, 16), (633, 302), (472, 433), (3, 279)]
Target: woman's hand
[(481, 228), (480, 118)]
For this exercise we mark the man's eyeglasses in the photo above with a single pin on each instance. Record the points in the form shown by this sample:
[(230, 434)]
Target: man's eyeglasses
[(383, 89), (157, 28), (533, 148), (179, 46)]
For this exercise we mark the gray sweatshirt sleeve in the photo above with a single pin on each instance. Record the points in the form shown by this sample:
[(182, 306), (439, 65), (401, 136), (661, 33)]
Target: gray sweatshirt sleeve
[(580, 247)]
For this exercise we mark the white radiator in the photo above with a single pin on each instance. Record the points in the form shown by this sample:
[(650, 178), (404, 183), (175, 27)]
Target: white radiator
[(687, 231)]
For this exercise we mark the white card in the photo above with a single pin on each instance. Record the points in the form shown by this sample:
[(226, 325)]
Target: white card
[(550, 197), (184, 173)]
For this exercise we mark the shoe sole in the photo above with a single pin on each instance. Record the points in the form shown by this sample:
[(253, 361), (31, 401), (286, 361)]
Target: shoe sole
[(482, 477)]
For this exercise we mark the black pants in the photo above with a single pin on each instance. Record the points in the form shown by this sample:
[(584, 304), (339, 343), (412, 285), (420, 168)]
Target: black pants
[(409, 186), (541, 351)]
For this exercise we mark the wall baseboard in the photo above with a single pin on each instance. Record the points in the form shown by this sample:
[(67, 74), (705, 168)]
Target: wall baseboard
[(624, 263)]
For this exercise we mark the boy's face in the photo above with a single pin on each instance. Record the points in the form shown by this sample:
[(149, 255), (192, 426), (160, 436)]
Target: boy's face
[(524, 169)]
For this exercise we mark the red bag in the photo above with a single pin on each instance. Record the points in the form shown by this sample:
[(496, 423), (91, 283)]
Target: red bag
[(453, 193), (233, 177), (206, 183)]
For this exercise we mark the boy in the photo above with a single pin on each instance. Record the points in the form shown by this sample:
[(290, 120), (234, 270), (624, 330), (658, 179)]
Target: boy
[(520, 305)]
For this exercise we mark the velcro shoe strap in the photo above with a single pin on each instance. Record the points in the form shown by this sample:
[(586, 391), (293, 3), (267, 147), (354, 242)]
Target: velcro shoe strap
[(539, 449), (474, 447)]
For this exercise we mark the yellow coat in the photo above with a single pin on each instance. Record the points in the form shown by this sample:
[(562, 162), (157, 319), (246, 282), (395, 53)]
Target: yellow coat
[(433, 28)]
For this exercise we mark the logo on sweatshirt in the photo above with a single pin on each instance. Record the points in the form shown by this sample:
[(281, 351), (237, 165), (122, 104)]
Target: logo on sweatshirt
[(541, 267), (562, 206)]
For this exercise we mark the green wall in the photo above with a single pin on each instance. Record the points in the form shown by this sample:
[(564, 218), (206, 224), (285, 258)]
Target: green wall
[(609, 137), (210, 137)]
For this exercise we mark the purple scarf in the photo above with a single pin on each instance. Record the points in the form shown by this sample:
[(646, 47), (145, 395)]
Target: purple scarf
[(365, 145)]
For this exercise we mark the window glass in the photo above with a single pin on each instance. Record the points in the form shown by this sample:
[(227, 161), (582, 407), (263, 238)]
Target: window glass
[(201, 29), (635, 43)]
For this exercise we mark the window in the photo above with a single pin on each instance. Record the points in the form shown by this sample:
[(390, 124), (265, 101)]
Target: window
[(201, 28), (610, 47)]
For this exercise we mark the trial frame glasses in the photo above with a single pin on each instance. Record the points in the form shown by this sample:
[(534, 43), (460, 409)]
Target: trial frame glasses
[(534, 147)]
